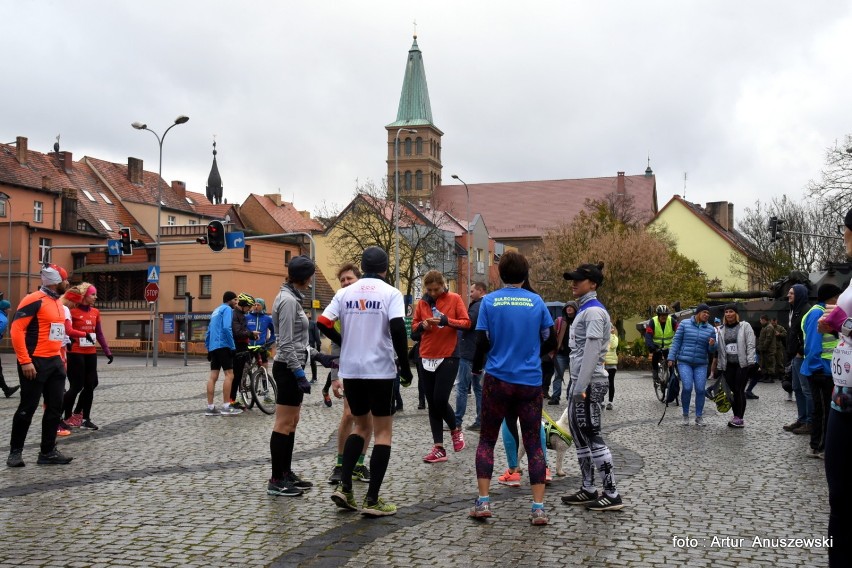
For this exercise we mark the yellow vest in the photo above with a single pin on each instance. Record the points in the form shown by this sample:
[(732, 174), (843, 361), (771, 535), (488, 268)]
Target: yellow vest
[(663, 335)]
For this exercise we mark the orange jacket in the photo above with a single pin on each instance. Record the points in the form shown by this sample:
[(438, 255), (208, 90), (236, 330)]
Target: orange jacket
[(438, 342), (38, 328)]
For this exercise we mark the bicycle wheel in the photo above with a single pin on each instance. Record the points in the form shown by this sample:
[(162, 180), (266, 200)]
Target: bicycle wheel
[(265, 390), (244, 390), (660, 383)]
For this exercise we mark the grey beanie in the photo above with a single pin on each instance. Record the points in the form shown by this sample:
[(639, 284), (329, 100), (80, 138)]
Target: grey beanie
[(374, 260)]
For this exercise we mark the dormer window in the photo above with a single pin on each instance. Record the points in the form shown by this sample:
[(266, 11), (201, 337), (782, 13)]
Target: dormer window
[(105, 198), (89, 196), (105, 225)]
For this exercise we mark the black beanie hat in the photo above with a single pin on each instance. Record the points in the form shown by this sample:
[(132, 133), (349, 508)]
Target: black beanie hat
[(300, 268), (374, 260), (228, 296), (827, 291)]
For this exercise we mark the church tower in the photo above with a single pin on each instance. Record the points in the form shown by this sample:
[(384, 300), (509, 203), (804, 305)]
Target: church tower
[(214, 181), (419, 155)]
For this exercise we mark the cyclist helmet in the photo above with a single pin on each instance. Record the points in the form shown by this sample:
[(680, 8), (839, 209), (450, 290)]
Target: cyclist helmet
[(245, 300), (662, 309)]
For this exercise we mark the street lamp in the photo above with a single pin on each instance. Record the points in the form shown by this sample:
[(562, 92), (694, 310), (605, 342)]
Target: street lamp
[(469, 244), (139, 126), (396, 203), (7, 199)]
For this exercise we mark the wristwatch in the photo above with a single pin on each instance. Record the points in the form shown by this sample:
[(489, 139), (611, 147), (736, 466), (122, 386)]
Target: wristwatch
[(846, 328)]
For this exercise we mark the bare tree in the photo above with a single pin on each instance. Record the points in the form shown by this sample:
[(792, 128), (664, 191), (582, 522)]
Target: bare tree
[(834, 188)]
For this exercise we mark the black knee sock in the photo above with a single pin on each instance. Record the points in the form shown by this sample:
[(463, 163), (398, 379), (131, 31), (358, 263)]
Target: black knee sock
[(378, 466), (351, 452), (287, 462), (277, 449)]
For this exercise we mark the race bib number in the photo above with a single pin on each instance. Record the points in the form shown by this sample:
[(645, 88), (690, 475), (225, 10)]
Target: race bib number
[(431, 364), (731, 349), (57, 332), (841, 365), (84, 342)]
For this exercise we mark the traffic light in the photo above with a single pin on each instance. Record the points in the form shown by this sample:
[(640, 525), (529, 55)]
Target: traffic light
[(773, 229), (779, 229), (215, 235), (126, 243)]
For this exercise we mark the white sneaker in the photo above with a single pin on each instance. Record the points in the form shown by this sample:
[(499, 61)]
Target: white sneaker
[(685, 420)]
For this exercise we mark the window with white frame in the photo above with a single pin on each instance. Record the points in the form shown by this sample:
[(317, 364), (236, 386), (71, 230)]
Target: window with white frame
[(172, 221), (38, 211), (44, 250)]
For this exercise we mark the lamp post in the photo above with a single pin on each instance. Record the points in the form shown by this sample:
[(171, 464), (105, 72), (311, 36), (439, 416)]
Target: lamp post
[(140, 126), (469, 243), (7, 199), (396, 203)]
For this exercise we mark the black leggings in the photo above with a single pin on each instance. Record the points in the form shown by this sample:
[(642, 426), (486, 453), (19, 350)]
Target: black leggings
[(437, 386), (737, 378), (48, 383), (611, 373), (83, 377)]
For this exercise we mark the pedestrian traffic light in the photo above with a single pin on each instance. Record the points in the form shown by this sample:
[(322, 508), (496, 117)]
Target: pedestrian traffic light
[(126, 243), (215, 235)]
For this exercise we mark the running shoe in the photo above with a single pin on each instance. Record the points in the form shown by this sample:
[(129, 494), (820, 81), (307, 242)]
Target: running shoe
[(685, 420), (75, 420), (335, 474), (699, 421), (606, 503), (212, 412), (326, 399), (608, 407), (510, 478), (581, 497), (480, 510), (548, 477), (282, 487), (53, 457), (361, 473), (60, 431), (229, 411), (438, 454), (378, 509), (458, 439), (89, 425), (344, 499), (538, 517), (736, 422), (297, 481), (238, 405), (475, 427), (15, 459)]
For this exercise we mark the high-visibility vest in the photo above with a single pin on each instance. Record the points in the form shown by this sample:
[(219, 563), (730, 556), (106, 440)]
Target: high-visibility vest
[(663, 334), (829, 342)]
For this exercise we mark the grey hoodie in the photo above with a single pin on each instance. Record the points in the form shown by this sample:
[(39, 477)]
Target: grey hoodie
[(588, 339), (291, 328)]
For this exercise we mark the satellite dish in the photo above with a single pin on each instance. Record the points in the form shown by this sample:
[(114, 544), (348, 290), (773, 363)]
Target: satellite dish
[(227, 218)]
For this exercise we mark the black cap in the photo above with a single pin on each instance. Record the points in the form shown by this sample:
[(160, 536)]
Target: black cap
[(591, 272), (228, 296), (300, 268), (732, 307), (374, 260), (827, 291)]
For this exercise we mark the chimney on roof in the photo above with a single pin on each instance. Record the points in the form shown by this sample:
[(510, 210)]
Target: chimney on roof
[(275, 198), (21, 144), (134, 170), (66, 159), (722, 212), (45, 182), (305, 215), (619, 185), (179, 187)]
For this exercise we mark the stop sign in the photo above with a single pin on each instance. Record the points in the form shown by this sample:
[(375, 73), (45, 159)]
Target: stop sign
[(152, 292)]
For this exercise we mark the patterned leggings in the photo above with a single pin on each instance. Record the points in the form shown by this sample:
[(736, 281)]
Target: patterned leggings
[(512, 402), (584, 421)]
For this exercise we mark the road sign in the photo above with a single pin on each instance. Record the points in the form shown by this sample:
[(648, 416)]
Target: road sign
[(152, 292), (235, 240), (315, 304), (153, 273), (114, 247)]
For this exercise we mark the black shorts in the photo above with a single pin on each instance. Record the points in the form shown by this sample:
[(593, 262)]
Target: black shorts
[(222, 358), (289, 393), (369, 395)]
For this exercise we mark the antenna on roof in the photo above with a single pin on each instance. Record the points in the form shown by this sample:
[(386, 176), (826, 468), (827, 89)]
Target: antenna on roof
[(56, 144), (684, 185)]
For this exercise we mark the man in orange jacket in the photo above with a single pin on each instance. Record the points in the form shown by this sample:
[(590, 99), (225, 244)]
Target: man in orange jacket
[(37, 332)]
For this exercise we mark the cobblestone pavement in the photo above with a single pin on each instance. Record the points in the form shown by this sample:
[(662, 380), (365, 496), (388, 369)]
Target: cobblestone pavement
[(162, 485)]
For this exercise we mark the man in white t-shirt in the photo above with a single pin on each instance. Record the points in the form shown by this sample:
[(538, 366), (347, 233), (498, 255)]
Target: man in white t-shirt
[(371, 313)]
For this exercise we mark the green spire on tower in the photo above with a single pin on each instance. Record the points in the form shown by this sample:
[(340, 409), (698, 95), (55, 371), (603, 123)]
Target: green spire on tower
[(414, 107)]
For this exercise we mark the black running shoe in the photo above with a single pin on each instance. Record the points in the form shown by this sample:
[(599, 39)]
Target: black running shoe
[(297, 481), (335, 474), (15, 459), (361, 473), (89, 425), (606, 504), (54, 457), (581, 497), (282, 487)]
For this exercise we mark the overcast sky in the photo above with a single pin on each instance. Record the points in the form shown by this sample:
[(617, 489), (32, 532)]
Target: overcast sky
[(744, 96)]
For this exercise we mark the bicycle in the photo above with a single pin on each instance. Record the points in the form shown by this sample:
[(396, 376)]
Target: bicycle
[(256, 386), (661, 376)]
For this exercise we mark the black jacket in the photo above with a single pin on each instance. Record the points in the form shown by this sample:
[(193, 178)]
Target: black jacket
[(467, 337)]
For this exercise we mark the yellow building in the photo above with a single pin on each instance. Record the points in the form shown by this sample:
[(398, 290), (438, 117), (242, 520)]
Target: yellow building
[(707, 236)]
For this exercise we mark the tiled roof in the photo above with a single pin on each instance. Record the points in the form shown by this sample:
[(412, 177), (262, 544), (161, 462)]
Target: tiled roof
[(287, 216), (198, 198), (737, 239), (116, 176), (30, 174), (115, 215), (528, 209)]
